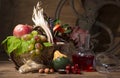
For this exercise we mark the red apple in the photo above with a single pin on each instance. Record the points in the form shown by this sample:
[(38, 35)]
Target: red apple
[(21, 30)]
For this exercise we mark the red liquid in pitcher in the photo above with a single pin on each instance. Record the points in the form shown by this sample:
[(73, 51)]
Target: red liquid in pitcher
[(85, 62)]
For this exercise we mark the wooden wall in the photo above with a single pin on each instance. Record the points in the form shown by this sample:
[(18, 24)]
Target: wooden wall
[(13, 12)]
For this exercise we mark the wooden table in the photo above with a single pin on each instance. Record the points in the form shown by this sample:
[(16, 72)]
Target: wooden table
[(7, 70)]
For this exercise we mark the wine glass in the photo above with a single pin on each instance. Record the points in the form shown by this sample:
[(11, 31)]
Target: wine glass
[(106, 63)]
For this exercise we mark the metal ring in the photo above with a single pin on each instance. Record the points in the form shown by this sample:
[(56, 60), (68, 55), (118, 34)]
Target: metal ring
[(58, 9), (103, 26)]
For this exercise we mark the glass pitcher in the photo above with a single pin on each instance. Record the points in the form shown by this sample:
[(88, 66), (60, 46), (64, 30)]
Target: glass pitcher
[(84, 56)]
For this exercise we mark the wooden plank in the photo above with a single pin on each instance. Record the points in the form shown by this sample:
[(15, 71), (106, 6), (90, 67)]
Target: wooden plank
[(7, 70)]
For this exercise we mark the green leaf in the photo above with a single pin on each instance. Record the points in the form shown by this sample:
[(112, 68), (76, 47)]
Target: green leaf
[(65, 25), (57, 21), (11, 43), (23, 48), (47, 44), (68, 31), (4, 41), (16, 44)]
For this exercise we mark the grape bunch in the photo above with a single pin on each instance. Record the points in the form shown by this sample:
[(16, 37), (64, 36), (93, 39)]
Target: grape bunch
[(73, 69), (35, 41)]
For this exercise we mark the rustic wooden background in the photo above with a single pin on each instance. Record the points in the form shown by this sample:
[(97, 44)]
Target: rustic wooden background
[(13, 12)]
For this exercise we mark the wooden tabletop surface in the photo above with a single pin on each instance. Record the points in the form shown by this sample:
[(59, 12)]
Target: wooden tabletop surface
[(7, 70)]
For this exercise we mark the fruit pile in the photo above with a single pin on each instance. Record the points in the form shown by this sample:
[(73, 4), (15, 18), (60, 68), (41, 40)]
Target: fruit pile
[(74, 69), (25, 40), (34, 45)]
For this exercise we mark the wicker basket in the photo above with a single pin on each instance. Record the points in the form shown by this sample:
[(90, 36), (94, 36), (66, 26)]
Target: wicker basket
[(44, 58)]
